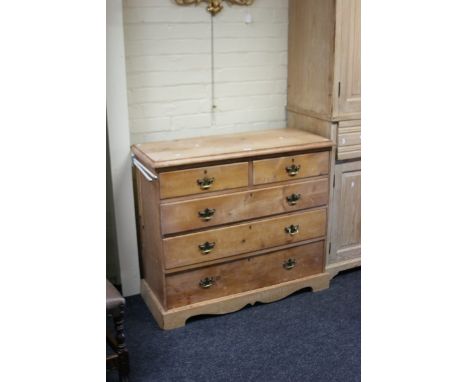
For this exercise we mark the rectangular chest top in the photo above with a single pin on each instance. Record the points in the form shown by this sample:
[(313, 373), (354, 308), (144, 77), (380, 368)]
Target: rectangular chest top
[(229, 146)]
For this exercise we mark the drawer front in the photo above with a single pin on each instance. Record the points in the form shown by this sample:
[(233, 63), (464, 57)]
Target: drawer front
[(203, 180), (349, 140), (245, 205), (244, 275), (290, 167), (248, 237)]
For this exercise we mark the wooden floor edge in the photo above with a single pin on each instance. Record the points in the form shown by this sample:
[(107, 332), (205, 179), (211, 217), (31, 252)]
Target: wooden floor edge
[(175, 318), (334, 269)]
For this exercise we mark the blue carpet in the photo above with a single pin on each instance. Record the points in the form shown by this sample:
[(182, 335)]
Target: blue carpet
[(305, 337)]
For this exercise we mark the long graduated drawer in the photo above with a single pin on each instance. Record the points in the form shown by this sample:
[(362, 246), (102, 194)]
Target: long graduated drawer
[(257, 235), (246, 274), (239, 206)]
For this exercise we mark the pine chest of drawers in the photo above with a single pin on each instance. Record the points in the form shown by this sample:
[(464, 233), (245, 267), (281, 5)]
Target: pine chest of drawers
[(230, 220)]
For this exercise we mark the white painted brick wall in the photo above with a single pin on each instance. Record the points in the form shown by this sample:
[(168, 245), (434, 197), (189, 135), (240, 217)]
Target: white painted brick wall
[(168, 68)]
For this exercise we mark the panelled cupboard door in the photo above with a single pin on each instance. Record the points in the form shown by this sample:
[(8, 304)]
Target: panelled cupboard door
[(348, 59), (346, 214)]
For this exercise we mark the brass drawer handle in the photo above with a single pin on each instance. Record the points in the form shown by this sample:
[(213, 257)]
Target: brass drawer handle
[(293, 169), (207, 214), (205, 183), (289, 264), (293, 199), (206, 247), (206, 282), (292, 229)]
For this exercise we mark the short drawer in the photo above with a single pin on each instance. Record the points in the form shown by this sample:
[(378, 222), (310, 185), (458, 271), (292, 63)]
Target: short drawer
[(203, 180), (243, 275), (242, 238), (290, 167), (245, 205), (349, 140)]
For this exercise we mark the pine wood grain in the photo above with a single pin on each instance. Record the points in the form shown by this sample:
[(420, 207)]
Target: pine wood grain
[(348, 60), (247, 225), (242, 238), (242, 275), (239, 206), (185, 182), (346, 229), (324, 59), (274, 169), (311, 56), (349, 140), (311, 124), (175, 318), (180, 152), (335, 268), (150, 231)]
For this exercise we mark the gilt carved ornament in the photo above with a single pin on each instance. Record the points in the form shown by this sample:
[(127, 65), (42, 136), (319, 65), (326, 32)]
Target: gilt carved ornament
[(214, 6)]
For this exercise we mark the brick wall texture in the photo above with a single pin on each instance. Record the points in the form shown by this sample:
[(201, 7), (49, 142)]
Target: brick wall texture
[(168, 61)]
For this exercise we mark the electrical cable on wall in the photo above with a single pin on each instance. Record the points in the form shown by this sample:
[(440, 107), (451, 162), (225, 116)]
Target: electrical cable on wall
[(213, 105), (214, 7)]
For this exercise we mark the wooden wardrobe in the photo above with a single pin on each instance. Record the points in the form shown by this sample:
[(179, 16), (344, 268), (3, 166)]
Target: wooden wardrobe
[(324, 97)]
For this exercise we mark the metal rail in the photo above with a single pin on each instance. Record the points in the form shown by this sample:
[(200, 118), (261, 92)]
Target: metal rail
[(149, 176)]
